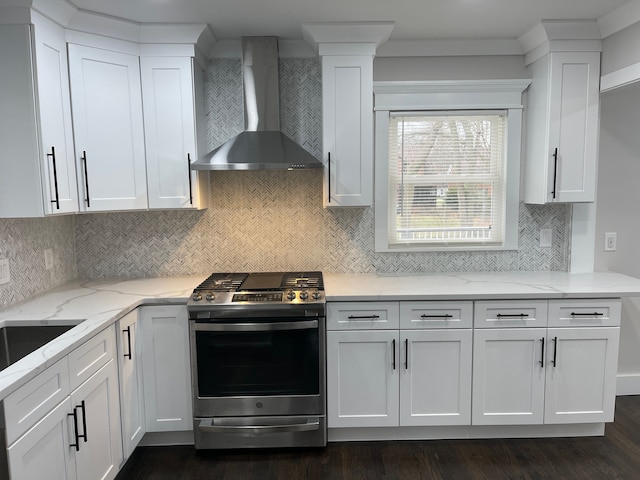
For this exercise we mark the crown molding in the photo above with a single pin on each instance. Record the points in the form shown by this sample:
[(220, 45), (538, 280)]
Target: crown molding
[(348, 33)]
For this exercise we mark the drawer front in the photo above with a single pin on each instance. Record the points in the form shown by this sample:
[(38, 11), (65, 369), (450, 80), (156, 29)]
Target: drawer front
[(585, 313), (31, 402), (87, 359), (363, 315), (436, 315), (510, 314)]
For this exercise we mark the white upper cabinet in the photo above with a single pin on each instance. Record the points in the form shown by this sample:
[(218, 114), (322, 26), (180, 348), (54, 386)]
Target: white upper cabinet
[(108, 128), (563, 104), (39, 176), (169, 91), (347, 123), (346, 51)]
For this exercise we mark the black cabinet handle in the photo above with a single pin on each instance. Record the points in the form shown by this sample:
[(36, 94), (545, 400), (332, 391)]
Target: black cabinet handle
[(393, 343), (84, 421), (189, 176), (406, 353), (555, 172), (75, 430), (555, 352), (128, 330), (86, 177), (55, 177), (542, 353), (446, 315), (515, 315), (329, 177), (594, 314), (360, 317)]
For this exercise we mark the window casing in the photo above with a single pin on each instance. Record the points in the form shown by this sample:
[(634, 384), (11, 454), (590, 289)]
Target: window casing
[(447, 165)]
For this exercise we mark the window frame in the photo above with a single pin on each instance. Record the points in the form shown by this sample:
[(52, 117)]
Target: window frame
[(450, 96)]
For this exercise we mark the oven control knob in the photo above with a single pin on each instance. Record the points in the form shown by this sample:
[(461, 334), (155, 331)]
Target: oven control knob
[(315, 295), (210, 297), (304, 295), (291, 295), (197, 297)]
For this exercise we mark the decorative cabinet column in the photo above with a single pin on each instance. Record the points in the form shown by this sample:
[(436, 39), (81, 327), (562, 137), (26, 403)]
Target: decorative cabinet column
[(346, 52)]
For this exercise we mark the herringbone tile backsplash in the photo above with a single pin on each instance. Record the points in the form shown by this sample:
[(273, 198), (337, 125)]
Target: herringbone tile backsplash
[(260, 221), (257, 220)]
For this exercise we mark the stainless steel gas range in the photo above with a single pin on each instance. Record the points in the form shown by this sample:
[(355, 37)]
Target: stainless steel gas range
[(258, 360)]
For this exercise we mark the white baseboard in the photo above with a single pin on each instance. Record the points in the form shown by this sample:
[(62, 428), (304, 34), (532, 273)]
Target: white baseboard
[(628, 384)]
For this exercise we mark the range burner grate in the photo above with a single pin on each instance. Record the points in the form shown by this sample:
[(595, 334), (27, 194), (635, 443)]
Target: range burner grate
[(223, 282), (294, 280)]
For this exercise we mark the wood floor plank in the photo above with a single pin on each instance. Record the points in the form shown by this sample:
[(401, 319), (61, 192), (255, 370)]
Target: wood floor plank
[(614, 456)]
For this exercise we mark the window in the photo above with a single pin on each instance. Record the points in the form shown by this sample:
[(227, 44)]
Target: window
[(446, 178)]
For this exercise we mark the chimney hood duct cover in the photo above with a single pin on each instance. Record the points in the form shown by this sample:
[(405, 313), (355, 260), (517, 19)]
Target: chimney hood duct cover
[(261, 146)]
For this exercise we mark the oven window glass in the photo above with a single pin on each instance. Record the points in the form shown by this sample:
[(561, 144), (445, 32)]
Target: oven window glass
[(284, 362)]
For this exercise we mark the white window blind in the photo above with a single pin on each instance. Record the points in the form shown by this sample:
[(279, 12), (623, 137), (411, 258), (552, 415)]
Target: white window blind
[(447, 178)]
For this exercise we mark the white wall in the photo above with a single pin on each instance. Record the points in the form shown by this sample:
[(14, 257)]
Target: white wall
[(621, 49), (618, 210)]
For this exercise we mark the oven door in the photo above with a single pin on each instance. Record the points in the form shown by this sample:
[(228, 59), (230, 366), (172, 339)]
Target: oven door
[(257, 366)]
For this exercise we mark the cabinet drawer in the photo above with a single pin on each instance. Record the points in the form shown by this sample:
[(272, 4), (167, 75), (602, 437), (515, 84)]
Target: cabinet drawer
[(516, 313), (87, 359), (436, 315), (31, 402), (585, 313), (363, 315)]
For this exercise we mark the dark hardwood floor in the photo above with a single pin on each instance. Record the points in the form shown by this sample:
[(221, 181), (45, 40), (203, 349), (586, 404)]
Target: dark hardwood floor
[(614, 456)]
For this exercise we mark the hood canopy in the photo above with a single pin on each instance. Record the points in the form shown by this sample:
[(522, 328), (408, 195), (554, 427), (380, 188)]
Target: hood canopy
[(261, 146)]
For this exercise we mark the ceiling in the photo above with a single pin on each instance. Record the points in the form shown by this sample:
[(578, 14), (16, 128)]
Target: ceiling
[(414, 19)]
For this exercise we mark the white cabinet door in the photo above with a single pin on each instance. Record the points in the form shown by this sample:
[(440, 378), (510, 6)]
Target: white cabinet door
[(108, 128), (347, 123), (170, 131), (435, 377), (581, 374), (98, 414), (131, 401), (166, 365), (508, 376), (38, 172), (563, 122), (55, 117), (45, 451), (362, 378)]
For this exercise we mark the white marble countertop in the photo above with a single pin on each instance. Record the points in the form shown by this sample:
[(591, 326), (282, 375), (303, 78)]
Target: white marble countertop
[(341, 287), (96, 303), (100, 303)]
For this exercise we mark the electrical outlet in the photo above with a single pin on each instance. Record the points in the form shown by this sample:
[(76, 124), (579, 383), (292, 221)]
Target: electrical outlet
[(48, 259), (545, 237), (5, 274), (610, 241)]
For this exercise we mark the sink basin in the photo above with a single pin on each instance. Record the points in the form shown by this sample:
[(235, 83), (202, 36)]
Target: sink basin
[(17, 341)]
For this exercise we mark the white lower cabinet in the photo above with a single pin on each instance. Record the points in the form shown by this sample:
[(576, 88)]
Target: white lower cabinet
[(435, 377), (44, 452), (130, 371), (79, 437), (398, 377), (555, 375), (166, 365), (362, 375), (508, 378)]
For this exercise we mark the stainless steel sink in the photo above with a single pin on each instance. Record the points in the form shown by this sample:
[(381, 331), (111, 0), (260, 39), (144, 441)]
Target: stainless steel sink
[(17, 341)]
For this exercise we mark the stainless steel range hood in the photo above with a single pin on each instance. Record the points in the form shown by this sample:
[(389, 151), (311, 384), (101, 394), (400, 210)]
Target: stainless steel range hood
[(261, 146)]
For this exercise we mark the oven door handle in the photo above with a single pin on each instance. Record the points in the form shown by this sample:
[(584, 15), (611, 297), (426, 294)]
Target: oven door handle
[(255, 327), (206, 426)]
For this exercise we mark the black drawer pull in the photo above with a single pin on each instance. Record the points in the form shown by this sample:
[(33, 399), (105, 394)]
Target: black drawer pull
[(594, 314), (515, 315), (446, 315), (542, 353), (360, 317), (393, 343), (555, 352)]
